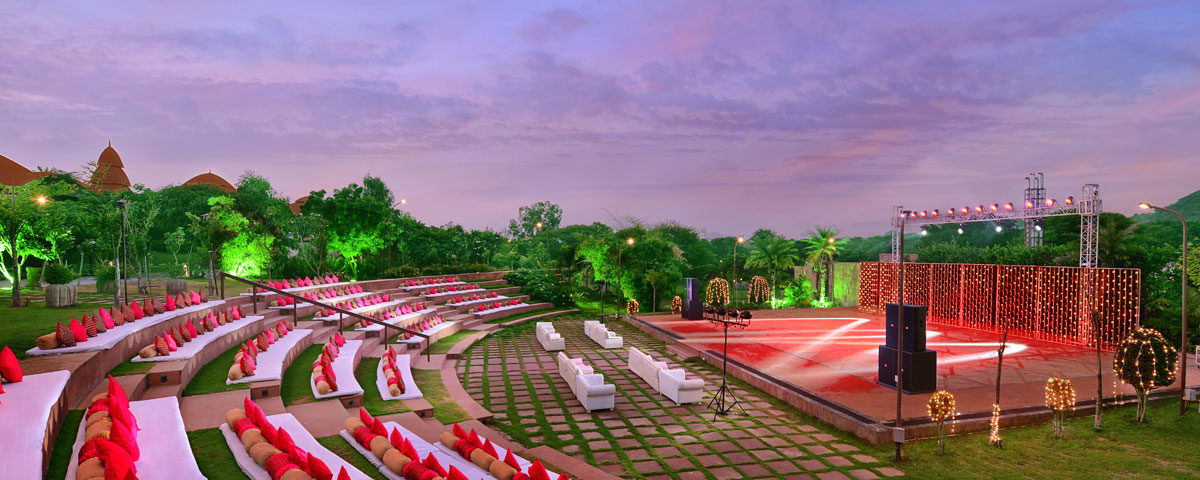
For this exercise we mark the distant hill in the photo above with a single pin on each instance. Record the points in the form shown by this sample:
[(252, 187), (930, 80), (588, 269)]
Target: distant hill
[(1188, 206)]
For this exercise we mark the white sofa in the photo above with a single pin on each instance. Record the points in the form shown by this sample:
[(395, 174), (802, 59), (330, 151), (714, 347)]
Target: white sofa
[(672, 383), (601, 335), (549, 339), (587, 386)]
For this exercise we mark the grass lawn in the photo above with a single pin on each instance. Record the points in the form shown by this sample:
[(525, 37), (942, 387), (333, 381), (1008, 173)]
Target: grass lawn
[(372, 400), (22, 325), (445, 409), (498, 285), (129, 367), (211, 377), (339, 446), (443, 345), (294, 388), (213, 455), (523, 315), (1163, 447), (61, 455)]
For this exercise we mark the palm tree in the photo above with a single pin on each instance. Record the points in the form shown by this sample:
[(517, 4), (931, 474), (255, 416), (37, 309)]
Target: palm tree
[(775, 254), (822, 244)]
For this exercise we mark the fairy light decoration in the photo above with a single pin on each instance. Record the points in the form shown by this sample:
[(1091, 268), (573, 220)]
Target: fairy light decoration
[(632, 307), (677, 305), (1144, 360), (1060, 399), (760, 290), (941, 408), (717, 292)]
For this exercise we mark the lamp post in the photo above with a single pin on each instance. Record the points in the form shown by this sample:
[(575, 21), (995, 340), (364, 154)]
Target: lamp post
[(628, 241), (537, 227), (733, 277), (1183, 341), (897, 434)]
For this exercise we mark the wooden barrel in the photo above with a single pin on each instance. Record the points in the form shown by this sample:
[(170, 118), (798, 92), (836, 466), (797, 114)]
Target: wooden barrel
[(61, 295), (176, 285)]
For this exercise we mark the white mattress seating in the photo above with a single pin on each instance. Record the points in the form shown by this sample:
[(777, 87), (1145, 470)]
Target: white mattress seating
[(366, 306), (436, 294), (394, 377), (25, 408), (550, 340), (194, 335), (601, 334), (429, 327), (474, 298), (670, 382), (269, 448), (147, 436), (291, 286), (588, 387), (430, 282), (486, 308), (403, 316), (486, 459), (259, 359), (108, 327), (333, 370), (401, 455)]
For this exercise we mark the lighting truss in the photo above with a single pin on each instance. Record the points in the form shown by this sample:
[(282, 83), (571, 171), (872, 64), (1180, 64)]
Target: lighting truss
[(1088, 207)]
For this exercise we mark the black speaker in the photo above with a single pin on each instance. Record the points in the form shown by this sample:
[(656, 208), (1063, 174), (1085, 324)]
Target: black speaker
[(693, 305), (920, 370), (914, 326)]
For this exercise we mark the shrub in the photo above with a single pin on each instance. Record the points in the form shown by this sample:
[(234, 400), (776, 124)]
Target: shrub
[(403, 271), (439, 269), (57, 274), (541, 285), (105, 277)]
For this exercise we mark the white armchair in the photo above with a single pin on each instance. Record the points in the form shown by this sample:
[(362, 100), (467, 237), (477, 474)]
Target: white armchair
[(601, 335), (549, 339), (675, 385), (588, 387)]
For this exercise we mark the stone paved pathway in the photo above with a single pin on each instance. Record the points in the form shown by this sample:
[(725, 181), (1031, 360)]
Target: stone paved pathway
[(647, 436)]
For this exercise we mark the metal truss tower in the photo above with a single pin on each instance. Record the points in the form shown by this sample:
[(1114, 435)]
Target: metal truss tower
[(1089, 226), (1035, 194)]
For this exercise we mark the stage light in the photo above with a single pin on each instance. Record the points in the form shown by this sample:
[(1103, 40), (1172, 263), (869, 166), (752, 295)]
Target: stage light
[(935, 212), (1069, 200), (960, 230), (999, 229), (1144, 206), (912, 214), (950, 211), (1008, 206), (924, 214), (1028, 204), (995, 207), (1037, 227), (924, 232), (1049, 202), (964, 210), (979, 209)]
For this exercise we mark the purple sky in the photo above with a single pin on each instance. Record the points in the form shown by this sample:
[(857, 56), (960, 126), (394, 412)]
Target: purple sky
[(784, 116)]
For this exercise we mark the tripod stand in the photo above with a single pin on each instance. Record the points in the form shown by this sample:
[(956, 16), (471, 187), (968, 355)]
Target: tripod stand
[(724, 399)]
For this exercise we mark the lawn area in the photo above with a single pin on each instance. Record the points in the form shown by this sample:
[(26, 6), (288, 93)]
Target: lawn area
[(339, 446), (129, 367), (213, 454), (526, 314), (211, 377), (443, 345), (294, 388), (61, 455), (372, 400), (1163, 447), (445, 409)]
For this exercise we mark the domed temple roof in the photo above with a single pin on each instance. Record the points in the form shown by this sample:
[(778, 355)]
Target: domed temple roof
[(213, 179), (295, 206), (110, 172)]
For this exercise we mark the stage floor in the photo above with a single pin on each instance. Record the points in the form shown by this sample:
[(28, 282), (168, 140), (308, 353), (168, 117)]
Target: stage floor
[(833, 353)]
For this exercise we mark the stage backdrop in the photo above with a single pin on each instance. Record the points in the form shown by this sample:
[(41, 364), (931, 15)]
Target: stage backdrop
[(1044, 303)]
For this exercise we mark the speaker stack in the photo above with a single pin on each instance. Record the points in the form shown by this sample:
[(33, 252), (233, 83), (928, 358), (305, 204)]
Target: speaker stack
[(693, 306), (920, 364)]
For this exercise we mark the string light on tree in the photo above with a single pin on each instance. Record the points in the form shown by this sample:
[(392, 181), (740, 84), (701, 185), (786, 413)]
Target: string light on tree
[(717, 292), (1060, 399), (632, 307), (760, 290), (941, 409), (677, 305), (1144, 360), (994, 436)]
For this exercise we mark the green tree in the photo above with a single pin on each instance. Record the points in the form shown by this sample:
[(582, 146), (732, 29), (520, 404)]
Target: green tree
[(30, 227), (174, 242), (822, 245), (241, 250), (359, 219), (775, 255), (525, 225)]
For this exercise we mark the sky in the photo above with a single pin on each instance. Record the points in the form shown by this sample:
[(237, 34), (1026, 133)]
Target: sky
[(725, 116)]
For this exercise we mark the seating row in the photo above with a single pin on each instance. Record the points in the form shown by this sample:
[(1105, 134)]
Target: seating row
[(414, 284), (601, 334), (488, 460), (550, 340), (278, 447), (261, 358), (397, 452), (394, 377), (27, 405), (588, 387), (335, 361), (107, 327), (185, 340), (671, 382)]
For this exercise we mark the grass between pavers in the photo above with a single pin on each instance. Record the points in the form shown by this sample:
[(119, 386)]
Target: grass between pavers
[(213, 455), (339, 446), (525, 314), (60, 456), (23, 325), (294, 388), (211, 377), (1163, 447), (445, 409), (372, 400), (443, 345), (534, 429)]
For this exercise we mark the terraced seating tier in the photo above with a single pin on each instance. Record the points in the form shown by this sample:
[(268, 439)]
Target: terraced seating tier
[(29, 417), (162, 441)]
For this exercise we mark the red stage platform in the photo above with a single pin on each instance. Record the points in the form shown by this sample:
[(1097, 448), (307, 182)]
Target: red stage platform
[(832, 353)]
